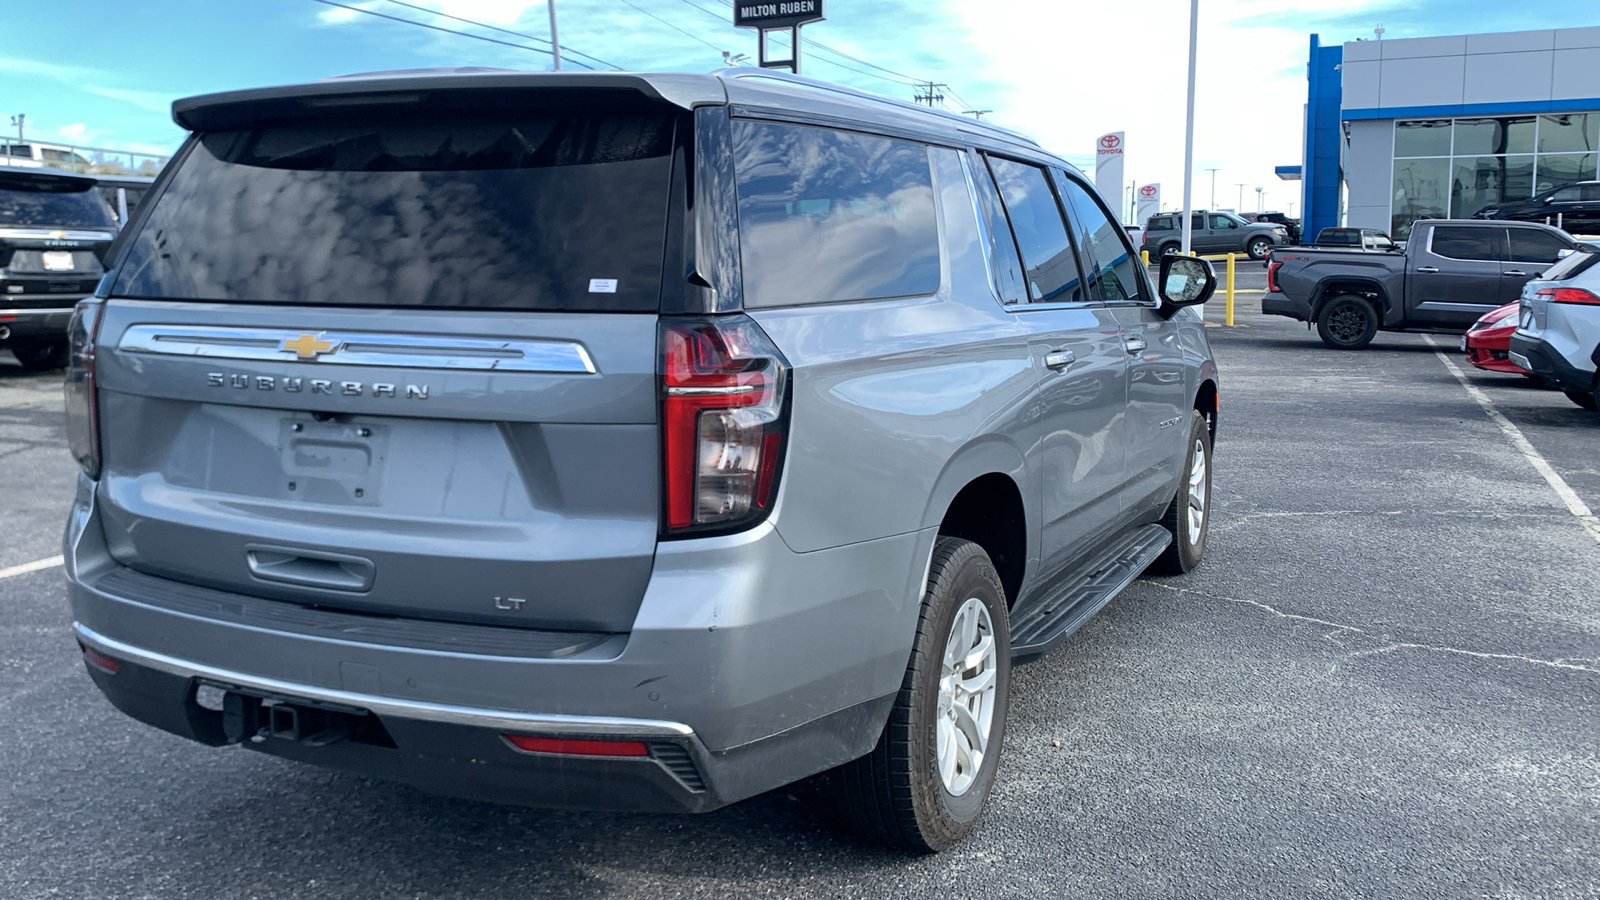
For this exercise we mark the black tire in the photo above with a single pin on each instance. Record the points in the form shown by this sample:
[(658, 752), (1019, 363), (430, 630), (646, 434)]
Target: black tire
[(41, 357), (1185, 552), (1170, 249), (895, 795), (1347, 322), (1258, 248), (1585, 399)]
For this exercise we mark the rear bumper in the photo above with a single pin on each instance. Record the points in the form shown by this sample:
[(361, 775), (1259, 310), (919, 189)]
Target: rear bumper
[(1544, 360), (756, 665), (32, 323), (1281, 305)]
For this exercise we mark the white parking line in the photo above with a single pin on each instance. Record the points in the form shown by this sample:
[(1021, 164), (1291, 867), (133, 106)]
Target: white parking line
[(35, 566), (1574, 503)]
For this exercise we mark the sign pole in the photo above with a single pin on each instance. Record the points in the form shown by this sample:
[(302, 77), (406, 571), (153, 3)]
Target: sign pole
[(768, 16), (1188, 131)]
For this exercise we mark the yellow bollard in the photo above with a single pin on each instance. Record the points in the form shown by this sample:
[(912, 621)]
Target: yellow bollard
[(1144, 257), (1229, 317)]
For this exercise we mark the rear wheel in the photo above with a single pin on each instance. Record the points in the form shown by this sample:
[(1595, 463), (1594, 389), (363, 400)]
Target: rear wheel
[(1170, 249), (925, 784), (1347, 322), (1258, 248), (1585, 399), (1189, 515), (39, 357)]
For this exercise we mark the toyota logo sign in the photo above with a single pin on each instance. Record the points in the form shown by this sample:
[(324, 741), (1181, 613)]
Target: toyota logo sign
[(1147, 191), (1110, 143)]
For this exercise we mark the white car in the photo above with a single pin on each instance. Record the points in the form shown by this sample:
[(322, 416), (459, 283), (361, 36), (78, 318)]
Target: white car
[(1558, 326), (34, 155)]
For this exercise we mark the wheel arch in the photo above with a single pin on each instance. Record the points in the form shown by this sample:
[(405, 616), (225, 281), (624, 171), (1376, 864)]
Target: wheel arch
[(1340, 285), (979, 497)]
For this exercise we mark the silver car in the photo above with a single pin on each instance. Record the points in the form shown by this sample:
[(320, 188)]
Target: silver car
[(1558, 326), (618, 441)]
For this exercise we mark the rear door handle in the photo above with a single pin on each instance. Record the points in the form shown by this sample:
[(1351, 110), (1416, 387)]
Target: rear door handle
[(1429, 269), (1135, 344), (1060, 359), (1515, 272)]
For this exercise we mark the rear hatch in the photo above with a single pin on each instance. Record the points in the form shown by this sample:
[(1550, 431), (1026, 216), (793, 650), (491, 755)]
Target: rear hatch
[(54, 234), (402, 365)]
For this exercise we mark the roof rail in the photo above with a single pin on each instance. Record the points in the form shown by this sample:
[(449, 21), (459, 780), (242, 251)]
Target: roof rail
[(747, 73)]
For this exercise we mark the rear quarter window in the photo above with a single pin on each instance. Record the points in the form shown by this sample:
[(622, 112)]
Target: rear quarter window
[(534, 211), (828, 215)]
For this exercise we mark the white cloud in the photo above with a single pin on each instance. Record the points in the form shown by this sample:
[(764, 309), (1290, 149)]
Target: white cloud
[(1067, 73), (152, 101), (76, 131)]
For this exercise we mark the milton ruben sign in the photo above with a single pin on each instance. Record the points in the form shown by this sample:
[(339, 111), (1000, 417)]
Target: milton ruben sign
[(777, 14)]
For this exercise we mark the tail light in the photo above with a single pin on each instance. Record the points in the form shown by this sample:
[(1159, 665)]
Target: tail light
[(1570, 295), (724, 419), (83, 426), (1272, 276)]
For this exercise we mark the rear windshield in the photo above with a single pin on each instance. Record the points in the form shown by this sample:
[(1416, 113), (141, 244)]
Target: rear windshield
[(1572, 265), (560, 211), (39, 204)]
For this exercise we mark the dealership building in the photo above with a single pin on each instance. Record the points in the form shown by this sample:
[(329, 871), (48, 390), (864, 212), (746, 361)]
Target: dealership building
[(1438, 127)]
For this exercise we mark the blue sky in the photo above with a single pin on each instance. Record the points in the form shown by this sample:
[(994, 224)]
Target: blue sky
[(1063, 71)]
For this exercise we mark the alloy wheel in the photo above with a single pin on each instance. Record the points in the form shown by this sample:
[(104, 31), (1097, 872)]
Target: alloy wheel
[(965, 717), (1197, 493)]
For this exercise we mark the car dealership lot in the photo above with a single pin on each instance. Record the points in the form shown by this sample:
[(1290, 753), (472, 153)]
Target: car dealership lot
[(1382, 682)]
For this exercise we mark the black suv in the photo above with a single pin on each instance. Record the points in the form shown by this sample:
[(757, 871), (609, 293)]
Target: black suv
[(1278, 218), (1574, 208), (54, 233)]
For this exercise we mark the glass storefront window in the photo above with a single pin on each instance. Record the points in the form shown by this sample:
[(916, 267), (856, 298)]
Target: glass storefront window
[(1478, 137), (1430, 137), (1420, 192), (1570, 132), (1480, 181), (1556, 169)]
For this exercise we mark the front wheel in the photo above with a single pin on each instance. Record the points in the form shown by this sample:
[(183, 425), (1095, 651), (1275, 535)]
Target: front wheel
[(1347, 322), (1258, 248), (925, 784), (1189, 515), (1585, 399)]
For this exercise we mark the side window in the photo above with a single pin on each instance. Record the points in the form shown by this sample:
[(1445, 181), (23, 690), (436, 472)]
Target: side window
[(1197, 222), (1222, 222), (1114, 270), (1052, 270), (1591, 192), (1003, 258), (1456, 242), (830, 215), (1158, 223), (1567, 194), (1533, 245)]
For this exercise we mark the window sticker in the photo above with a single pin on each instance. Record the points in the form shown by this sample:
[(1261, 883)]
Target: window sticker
[(602, 285)]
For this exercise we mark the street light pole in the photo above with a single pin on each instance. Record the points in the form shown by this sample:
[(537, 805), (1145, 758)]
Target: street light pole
[(1258, 200), (1188, 130), (555, 39), (1213, 188), (1240, 186)]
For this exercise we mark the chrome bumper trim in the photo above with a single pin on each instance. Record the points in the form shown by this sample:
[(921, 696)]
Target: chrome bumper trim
[(36, 313), (391, 706)]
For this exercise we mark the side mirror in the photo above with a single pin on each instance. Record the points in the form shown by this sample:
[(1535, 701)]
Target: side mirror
[(1565, 252), (1184, 281)]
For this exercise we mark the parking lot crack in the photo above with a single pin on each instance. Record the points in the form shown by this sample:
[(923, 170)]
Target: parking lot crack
[(1575, 664)]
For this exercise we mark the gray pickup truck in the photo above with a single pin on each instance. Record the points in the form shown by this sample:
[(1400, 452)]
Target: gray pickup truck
[(1451, 272)]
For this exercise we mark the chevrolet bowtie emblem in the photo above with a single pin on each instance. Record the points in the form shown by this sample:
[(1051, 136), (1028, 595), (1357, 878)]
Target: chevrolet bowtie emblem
[(307, 346)]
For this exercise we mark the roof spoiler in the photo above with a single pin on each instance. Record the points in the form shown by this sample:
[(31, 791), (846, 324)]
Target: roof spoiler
[(406, 94), (48, 179)]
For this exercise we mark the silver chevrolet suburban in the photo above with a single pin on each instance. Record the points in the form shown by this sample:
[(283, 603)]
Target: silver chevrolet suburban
[(621, 441)]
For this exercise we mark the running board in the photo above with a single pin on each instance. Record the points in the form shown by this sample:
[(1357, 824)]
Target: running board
[(1046, 624)]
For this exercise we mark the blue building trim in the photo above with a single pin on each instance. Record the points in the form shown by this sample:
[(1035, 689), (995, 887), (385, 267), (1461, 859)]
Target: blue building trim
[(1287, 173), (1320, 175), (1474, 109)]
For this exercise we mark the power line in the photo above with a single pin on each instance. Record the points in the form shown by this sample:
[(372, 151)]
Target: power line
[(433, 27), (672, 26), (531, 37)]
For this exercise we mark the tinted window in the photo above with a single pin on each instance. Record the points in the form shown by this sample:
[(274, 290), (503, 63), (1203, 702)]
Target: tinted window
[(1005, 263), (30, 205), (1113, 272), (1591, 192), (1052, 270), (1469, 243), (1339, 236), (551, 211), (1532, 245), (1571, 192), (830, 215), (1158, 222)]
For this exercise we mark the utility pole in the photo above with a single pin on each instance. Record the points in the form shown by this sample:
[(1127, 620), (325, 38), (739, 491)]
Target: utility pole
[(1213, 188), (555, 39), (1240, 207), (931, 96), (1188, 130), (17, 120), (1259, 197)]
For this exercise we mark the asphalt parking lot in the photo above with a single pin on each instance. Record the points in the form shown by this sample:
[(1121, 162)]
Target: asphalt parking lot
[(1383, 682)]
